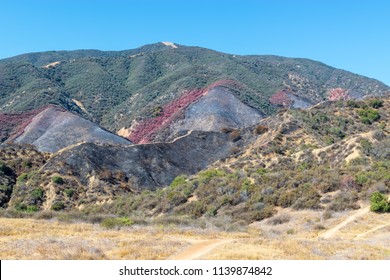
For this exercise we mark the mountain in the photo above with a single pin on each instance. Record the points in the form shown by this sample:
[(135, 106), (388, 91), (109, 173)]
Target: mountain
[(167, 129), (122, 90)]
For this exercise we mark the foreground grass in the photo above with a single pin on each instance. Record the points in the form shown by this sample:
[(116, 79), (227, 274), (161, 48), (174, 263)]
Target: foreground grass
[(289, 235), (52, 239)]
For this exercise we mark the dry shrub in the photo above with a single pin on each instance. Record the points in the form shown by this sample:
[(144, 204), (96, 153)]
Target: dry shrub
[(344, 201), (235, 135), (260, 129), (280, 219)]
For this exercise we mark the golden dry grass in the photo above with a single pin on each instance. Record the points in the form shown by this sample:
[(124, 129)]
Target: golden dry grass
[(299, 237), (41, 239)]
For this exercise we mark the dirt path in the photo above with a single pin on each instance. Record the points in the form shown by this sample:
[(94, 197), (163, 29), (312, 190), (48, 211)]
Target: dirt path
[(333, 231), (199, 248), (361, 235), (177, 138)]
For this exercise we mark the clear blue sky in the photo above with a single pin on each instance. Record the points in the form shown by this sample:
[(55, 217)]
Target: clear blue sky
[(352, 35)]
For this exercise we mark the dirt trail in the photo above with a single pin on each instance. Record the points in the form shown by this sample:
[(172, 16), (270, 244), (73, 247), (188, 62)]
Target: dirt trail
[(199, 248), (361, 235), (333, 231), (177, 138)]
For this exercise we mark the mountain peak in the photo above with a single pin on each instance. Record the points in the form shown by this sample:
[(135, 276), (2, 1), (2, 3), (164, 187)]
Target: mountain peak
[(170, 44)]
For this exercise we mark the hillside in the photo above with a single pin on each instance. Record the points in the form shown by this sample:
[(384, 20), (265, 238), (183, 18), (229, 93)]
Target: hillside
[(118, 90), (54, 129), (327, 158), (211, 135)]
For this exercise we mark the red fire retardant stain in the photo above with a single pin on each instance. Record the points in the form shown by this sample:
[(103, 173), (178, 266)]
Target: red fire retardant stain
[(144, 131), (280, 98), (13, 125), (338, 94)]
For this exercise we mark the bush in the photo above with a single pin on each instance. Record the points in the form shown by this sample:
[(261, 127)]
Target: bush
[(308, 198), (69, 192), (22, 178), (368, 116), (278, 220), (267, 212), (111, 223), (379, 203), (32, 208), (260, 129), (366, 146), (5, 169), (353, 104), (27, 164), (57, 206), (344, 201), (57, 180), (37, 194), (375, 103), (235, 135), (6, 189), (361, 178), (20, 207), (179, 180)]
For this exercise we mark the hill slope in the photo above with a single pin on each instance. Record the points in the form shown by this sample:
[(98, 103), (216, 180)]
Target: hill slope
[(54, 129), (327, 157)]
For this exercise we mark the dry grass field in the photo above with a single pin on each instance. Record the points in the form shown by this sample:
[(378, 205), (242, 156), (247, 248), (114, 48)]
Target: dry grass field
[(358, 234)]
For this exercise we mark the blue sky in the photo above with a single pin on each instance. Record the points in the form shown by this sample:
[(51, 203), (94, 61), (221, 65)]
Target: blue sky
[(352, 35)]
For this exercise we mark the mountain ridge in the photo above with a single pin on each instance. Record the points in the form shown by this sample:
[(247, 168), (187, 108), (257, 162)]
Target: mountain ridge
[(116, 89), (213, 133)]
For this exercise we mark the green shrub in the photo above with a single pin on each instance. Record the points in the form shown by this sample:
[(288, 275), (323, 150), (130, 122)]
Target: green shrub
[(353, 104), (57, 206), (375, 103), (361, 178), (111, 223), (32, 208), (338, 132), (69, 192), (368, 116), (366, 146), (20, 206), (37, 194), (379, 203), (57, 180), (27, 164), (22, 178), (179, 180), (261, 171), (212, 212)]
